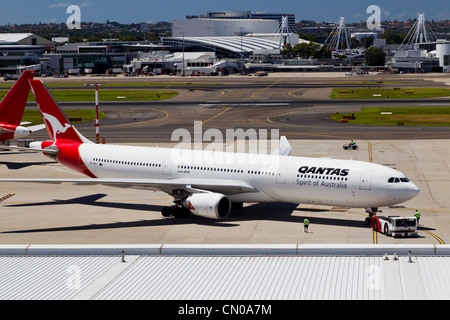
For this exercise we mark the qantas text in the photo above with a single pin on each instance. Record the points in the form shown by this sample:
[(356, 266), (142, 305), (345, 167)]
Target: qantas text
[(327, 171)]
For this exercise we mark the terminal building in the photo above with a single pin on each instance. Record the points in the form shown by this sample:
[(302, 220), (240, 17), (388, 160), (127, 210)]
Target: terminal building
[(19, 51)]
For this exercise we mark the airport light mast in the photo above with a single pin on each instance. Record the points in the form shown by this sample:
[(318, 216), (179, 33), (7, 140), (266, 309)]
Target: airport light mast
[(420, 33), (97, 117), (338, 37)]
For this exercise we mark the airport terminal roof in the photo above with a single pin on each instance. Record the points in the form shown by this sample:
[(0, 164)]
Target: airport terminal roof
[(13, 37), (225, 272)]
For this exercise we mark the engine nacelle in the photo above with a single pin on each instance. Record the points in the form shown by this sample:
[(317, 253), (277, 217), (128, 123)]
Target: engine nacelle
[(208, 205)]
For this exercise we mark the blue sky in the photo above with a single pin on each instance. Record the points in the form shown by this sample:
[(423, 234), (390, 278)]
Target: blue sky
[(45, 11)]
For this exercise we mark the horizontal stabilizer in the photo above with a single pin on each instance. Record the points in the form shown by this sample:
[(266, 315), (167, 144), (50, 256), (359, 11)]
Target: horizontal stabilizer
[(48, 151), (36, 127)]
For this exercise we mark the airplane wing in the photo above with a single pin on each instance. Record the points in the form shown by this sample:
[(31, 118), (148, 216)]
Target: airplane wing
[(284, 149), (225, 187)]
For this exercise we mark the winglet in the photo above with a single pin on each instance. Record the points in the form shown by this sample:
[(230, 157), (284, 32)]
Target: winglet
[(13, 104), (284, 149)]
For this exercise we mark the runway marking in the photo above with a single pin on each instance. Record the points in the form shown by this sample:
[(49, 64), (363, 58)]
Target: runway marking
[(217, 115), (435, 236), (255, 94), (294, 95), (167, 115), (228, 108), (6, 197)]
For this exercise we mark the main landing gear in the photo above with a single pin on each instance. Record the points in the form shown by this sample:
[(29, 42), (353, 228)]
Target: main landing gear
[(175, 211)]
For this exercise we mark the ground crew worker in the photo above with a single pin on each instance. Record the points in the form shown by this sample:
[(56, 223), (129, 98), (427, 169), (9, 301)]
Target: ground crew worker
[(417, 216), (306, 224)]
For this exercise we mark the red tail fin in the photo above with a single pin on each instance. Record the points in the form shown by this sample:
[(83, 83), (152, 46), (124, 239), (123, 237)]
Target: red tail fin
[(13, 104), (57, 124)]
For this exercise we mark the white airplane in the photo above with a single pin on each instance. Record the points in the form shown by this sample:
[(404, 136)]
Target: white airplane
[(11, 110), (209, 188)]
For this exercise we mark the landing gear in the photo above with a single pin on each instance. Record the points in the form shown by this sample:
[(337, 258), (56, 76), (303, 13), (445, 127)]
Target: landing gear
[(175, 211), (371, 212), (237, 205)]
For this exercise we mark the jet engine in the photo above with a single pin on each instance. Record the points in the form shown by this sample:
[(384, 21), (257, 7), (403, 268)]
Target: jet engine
[(208, 205)]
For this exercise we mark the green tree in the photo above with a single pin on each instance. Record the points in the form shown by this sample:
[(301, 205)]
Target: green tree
[(307, 50), (375, 57)]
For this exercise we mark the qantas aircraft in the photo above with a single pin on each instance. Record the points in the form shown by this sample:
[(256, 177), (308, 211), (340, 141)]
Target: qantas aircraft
[(12, 108), (207, 183)]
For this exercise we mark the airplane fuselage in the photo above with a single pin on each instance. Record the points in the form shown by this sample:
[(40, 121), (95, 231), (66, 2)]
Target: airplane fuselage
[(11, 131), (279, 178)]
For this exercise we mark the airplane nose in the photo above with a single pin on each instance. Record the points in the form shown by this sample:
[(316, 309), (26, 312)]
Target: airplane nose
[(412, 191)]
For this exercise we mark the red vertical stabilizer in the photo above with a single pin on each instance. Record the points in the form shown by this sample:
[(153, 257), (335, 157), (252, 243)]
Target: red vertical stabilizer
[(13, 104)]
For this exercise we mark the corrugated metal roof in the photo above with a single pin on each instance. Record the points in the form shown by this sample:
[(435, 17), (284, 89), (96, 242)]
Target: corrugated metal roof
[(49, 278), (245, 278), (225, 272)]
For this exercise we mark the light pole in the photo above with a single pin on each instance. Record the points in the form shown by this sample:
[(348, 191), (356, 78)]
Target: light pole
[(97, 118), (242, 58), (183, 54)]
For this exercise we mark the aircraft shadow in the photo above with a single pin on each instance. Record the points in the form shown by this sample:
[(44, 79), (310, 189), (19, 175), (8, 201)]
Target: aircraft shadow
[(21, 165), (261, 211)]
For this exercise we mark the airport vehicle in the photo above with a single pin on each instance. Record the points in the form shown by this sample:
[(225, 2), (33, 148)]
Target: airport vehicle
[(395, 226), (350, 146), (205, 182), (12, 108)]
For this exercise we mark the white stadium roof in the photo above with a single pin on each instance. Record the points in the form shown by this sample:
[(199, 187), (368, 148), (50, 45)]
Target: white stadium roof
[(230, 44), (225, 272)]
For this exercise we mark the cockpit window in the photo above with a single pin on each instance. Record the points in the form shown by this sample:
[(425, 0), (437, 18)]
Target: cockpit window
[(397, 180)]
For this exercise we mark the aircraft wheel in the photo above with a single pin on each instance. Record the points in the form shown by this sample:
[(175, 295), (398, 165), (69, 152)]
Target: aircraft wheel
[(237, 205), (166, 211), (179, 212)]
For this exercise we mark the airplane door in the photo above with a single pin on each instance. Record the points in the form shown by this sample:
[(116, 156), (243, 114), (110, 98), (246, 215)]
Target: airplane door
[(281, 175), (366, 180)]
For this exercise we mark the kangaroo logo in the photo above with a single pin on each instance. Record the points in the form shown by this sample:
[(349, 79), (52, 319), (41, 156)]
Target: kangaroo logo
[(57, 127)]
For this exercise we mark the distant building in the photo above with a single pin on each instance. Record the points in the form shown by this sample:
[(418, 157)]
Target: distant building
[(230, 23), (21, 50)]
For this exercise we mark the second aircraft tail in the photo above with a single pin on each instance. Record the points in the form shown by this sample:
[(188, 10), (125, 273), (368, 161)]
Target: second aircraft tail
[(57, 123)]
